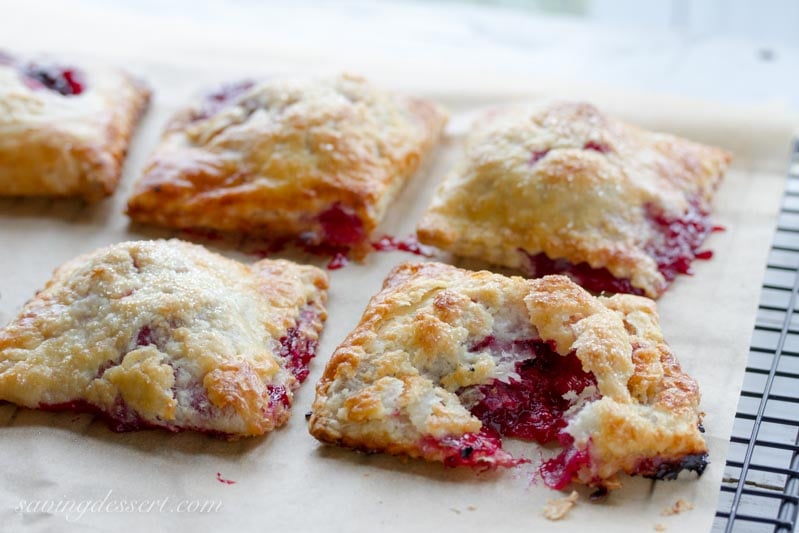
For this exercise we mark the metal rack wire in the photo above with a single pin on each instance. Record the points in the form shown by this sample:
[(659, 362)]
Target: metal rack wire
[(760, 489)]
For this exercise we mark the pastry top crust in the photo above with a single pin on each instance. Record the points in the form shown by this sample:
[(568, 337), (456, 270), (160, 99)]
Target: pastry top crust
[(57, 145), (182, 337), (270, 155), (397, 378), (569, 181)]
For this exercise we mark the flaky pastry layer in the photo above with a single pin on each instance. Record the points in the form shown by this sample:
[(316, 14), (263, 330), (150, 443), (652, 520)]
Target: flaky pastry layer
[(53, 144), (409, 371), (276, 157), (571, 182), (167, 334)]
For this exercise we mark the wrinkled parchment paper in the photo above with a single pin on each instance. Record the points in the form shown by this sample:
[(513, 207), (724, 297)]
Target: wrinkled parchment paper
[(286, 480)]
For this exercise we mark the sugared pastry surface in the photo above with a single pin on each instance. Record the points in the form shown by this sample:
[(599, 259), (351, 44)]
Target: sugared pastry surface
[(445, 362), (319, 160), (167, 334), (64, 128), (565, 188)]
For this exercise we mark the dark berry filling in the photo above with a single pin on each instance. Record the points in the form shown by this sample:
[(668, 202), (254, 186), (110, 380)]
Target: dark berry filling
[(679, 239), (531, 407), (593, 279), (219, 99), (657, 468), (65, 81), (409, 244)]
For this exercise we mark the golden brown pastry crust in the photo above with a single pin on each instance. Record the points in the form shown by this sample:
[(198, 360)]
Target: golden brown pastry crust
[(165, 334), (573, 183), (399, 377), (55, 145), (277, 154)]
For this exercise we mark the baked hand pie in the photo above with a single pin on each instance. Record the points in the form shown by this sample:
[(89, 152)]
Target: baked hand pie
[(565, 189), (445, 362), (64, 130), (319, 160), (165, 334)]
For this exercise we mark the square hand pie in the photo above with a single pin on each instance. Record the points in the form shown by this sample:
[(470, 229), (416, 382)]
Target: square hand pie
[(444, 362), (566, 189), (319, 160), (64, 130), (165, 334)]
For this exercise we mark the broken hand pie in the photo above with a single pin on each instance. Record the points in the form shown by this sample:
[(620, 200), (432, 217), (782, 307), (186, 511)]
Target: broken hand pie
[(444, 362), (566, 189), (64, 130), (167, 334), (314, 160)]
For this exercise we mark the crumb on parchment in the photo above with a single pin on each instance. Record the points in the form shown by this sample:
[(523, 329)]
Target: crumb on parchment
[(560, 507), (678, 507), (660, 527)]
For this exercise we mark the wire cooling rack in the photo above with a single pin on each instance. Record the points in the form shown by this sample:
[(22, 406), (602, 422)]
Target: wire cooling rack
[(760, 489)]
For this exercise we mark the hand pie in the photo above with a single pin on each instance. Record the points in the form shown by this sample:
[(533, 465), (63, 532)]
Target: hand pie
[(64, 130), (165, 334), (566, 189), (444, 362), (315, 160)]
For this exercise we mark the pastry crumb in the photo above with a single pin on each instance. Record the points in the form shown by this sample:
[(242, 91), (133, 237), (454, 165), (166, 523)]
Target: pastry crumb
[(660, 527), (471, 507), (455, 510), (560, 507), (678, 507)]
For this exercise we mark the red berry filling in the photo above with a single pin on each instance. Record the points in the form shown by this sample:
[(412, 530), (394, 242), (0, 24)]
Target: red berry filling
[(65, 81), (679, 239), (531, 407), (482, 451), (537, 156), (597, 147), (560, 470), (339, 261), (674, 248), (298, 347), (341, 227), (593, 279), (409, 244)]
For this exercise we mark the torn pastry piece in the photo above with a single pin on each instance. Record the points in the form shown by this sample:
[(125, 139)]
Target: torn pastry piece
[(65, 129), (165, 334), (565, 189), (318, 160), (445, 362)]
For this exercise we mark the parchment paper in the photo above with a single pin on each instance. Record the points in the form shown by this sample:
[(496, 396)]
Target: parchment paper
[(286, 480)]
